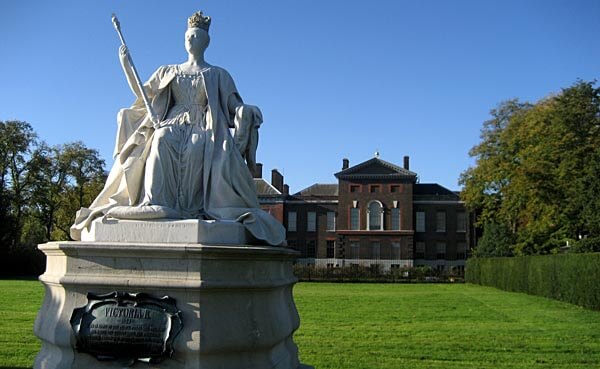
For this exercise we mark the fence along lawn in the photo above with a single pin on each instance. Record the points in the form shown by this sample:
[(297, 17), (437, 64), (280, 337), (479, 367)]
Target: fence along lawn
[(371, 326)]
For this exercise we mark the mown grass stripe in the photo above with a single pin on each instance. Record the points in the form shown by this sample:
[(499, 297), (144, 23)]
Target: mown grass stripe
[(387, 326)]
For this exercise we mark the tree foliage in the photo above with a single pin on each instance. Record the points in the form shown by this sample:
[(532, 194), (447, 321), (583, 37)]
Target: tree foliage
[(537, 170), (42, 187), (71, 177), (496, 241)]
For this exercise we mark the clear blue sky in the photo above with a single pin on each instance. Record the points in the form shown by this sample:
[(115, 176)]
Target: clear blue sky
[(334, 79)]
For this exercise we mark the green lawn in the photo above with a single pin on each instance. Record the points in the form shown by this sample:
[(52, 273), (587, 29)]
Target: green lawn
[(441, 326), (395, 326), (19, 303)]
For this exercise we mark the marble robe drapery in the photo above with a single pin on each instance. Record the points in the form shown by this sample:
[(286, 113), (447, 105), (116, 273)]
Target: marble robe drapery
[(229, 192)]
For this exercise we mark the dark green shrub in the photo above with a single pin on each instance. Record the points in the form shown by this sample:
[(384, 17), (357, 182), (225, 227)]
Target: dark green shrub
[(372, 273), (571, 278), (497, 240), (22, 261), (589, 244)]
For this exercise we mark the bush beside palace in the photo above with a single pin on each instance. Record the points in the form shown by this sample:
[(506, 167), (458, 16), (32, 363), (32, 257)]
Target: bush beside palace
[(571, 278)]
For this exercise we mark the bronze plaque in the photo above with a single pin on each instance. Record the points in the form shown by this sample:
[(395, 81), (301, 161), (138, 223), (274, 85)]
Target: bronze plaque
[(126, 326)]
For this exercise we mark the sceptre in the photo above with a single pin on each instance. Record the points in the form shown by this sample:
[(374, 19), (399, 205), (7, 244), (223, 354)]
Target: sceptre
[(117, 26)]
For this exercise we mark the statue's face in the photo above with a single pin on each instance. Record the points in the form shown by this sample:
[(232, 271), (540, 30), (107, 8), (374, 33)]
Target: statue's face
[(196, 40)]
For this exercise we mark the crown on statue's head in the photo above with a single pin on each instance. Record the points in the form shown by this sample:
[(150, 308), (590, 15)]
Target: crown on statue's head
[(199, 20)]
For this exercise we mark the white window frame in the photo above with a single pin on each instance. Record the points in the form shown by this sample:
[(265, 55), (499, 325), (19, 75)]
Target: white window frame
[(441, 246), (396, 220), (461, 248), (292, 221), (440, 221), (327, 248), (311, 245), (461, 222), (420, 222), (396, 250), (420, 248), (355, 247), (375, 250), (355, 211), (380, 215), (331, 221), (311, 221)]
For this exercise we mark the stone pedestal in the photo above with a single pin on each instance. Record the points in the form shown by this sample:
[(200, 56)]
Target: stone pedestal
[(205, 232), (236, 302)]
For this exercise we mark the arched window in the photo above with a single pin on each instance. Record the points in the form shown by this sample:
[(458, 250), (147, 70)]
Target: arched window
[(375, 216)]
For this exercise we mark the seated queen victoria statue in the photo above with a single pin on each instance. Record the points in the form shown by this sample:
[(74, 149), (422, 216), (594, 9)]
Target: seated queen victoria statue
[(184, 162)]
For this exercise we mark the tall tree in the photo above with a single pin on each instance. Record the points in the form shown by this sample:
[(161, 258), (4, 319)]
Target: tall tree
[(535, 167), (484, 185), (72, 176), (18, 145)]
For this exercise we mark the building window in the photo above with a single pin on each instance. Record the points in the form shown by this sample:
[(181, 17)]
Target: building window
[(440, 248), (330, 249), (461, 222), (440, 221), (375, 250), (355, 219), (420, 226), (292, 221), (311, 221), (355, 246), (420, 250), (461, 250), (396, 250), (459, 268), (374, 188), (354, 188), (293, 244), (395, 226), (311, 249), (330, 221), (395, 189), (375, 217)]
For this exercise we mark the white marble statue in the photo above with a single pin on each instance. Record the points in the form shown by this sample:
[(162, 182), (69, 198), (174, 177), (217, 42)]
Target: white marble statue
[(184, 162)]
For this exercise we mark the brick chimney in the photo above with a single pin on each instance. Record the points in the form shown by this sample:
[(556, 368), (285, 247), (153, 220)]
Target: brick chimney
[(407, 162), (286, 189), (277, 180), (258, 171), (345, 164)]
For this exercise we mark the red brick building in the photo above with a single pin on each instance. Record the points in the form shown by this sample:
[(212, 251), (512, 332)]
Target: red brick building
[(376, 213)]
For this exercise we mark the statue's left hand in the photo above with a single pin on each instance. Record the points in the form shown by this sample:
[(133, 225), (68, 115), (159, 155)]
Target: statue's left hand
[(254, 112)]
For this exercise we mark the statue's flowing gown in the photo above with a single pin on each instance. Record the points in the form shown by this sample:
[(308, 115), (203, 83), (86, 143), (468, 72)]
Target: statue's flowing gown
[(187, 168), (174, 167)]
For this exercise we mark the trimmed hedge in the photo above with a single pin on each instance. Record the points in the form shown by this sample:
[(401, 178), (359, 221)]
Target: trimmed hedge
[(573, 278), (23, 261)]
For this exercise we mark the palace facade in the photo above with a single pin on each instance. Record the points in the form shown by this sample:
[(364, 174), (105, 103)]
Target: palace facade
[(376, 214)]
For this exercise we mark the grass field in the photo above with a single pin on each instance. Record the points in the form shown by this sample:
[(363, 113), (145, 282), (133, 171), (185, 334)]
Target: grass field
[(395, 326), (19, 303)]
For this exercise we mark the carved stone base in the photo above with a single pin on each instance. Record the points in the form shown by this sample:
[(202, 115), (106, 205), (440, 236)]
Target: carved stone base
[(236, 302), (167, 230)]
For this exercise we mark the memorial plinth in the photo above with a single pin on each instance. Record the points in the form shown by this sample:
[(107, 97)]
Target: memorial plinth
[(236, 302), (168, 231)]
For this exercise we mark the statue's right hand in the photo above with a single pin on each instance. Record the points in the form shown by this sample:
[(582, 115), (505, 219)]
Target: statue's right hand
[(123, 52)]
